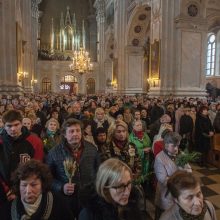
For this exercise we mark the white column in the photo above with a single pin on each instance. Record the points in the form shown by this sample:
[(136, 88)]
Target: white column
[(34, 52), (134, 82), (100, 6), (182, 44), (120, 24)]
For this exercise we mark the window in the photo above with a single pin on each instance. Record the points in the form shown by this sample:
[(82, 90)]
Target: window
[(211, 54), (46, 85)]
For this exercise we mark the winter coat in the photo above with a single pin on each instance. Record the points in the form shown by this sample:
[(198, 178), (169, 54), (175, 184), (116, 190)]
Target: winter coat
[(86, 170), (52, 207), (140, 145), (15, 151), (173, 213), (96, 208), (203, 126), (164, 167)]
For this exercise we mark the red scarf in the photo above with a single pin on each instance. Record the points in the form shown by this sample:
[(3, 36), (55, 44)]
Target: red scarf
[(138, 134), (76, 153)]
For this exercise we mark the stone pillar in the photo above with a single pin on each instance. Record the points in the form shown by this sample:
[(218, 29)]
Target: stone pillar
[(134, 82), (182, 48), (26, 44), (100, 7), (120, 27), (8, 50), (34, 43)]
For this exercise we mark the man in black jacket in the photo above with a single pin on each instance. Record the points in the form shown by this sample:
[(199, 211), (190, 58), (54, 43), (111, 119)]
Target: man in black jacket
[(82, 153)]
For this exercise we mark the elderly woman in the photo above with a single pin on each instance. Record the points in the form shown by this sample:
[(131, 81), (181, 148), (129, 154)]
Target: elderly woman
[(34, 201), (164, 167), (114, 197), (143, 144), (51, 137), (188, 199)]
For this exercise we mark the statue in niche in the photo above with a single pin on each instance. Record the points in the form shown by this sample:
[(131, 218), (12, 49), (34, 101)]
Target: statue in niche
[(155, 60)]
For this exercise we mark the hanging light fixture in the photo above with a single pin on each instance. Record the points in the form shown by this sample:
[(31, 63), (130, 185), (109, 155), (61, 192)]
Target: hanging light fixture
[(81, 62)]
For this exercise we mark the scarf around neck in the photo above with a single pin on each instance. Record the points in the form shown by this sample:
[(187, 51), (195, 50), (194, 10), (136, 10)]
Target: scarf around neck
[(51, 133), (120, 144), (187, 216), (139, 134), (32, 208), (173, 158)]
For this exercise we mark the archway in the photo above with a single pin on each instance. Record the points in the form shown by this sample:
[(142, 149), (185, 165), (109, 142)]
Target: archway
[(46, 85), (138, 49), (90, 86), (69, 84)]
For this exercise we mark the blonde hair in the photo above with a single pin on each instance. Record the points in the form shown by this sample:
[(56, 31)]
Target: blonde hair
[(99, 110), (113, 127), (32, 116), (109, 174), (52, 120)]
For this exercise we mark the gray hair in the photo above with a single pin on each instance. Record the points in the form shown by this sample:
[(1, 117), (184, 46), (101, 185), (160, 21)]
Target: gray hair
[(172, 138)]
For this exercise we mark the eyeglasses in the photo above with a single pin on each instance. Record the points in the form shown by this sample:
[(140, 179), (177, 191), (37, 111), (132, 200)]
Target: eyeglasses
[(121, 188)]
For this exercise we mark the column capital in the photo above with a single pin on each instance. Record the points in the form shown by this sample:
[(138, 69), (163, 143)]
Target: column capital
[(34, 8), (100, 9)]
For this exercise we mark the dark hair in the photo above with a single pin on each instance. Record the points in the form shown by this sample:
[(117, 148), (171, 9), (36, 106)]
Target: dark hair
[(12, 115), (202, 108), (68, 123), (30, 168), (181, 180), (86, 123), (100, 130)]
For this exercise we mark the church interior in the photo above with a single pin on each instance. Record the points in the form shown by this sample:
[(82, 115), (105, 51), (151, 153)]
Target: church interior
[(156, 49), (129, 47)]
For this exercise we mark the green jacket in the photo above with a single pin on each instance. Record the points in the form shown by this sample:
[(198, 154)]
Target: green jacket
[(141, 144)]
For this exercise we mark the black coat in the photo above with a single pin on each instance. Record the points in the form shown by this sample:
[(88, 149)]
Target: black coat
[(186, 125), (216, 123), (94, 126), (96, 208), (59, 209), (203, 126)]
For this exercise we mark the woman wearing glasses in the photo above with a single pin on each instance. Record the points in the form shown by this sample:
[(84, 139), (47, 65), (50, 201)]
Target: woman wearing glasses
[(114, 197)]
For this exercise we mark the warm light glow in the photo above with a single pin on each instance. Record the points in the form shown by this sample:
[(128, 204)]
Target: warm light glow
[(154, 82), (114, 84), (22, 76), (81, 62)]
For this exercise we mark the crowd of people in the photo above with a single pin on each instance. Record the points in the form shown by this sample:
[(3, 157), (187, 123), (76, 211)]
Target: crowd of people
[(98, 157)]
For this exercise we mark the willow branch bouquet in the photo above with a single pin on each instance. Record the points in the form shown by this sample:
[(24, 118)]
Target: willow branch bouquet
[(141, 179), (185, 157), (69, 168)]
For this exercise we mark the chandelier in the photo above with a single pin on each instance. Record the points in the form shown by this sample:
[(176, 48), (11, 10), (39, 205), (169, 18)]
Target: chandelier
[(81, 62)]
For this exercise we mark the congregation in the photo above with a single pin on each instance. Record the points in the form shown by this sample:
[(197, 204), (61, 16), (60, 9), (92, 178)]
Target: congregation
[(100, 156)]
